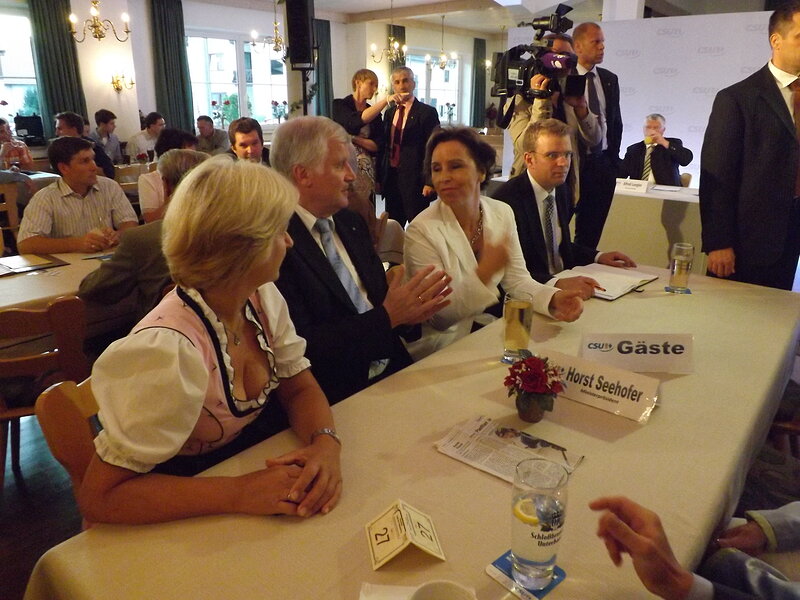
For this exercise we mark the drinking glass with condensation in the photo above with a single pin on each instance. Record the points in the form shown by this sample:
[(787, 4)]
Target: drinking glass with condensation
[(680, 264)]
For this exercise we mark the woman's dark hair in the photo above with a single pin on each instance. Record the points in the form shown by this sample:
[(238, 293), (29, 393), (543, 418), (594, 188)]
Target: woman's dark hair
[(480, 151), (173, 139)]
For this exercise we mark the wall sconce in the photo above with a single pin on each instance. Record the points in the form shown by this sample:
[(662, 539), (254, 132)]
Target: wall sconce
[(97, 26), (118, 83), (488, 64)]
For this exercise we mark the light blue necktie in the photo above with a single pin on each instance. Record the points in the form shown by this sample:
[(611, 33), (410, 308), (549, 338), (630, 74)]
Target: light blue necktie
[(323, 226)]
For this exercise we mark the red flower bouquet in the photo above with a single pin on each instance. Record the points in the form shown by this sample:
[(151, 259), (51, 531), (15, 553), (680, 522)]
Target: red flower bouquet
[(536, 382)]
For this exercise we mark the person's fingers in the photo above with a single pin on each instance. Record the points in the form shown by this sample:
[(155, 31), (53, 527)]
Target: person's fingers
[(333, 500)]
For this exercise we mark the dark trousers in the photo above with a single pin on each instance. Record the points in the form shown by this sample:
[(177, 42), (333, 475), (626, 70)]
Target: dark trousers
[(598, 175), (403, 202)]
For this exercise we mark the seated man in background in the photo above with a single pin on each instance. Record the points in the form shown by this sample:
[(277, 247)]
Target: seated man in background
[(104, 135), (138, 264), (333, 281), (13, 151), (247, 141), (70, 124), (81, 212), (540, 203), (210, 139), (628, 528), (656, 158), (151, 188), (145, 141)]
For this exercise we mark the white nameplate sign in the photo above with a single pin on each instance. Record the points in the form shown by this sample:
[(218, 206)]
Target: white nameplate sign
[(641, 352), (632, 185), (613, 390), (396, 528)]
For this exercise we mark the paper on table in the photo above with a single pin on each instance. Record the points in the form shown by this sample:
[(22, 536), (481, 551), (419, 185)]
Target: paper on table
[(373, 591), (616, 281), (25, 260)]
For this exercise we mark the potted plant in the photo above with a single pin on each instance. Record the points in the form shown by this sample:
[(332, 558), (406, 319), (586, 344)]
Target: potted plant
[(536, 382)]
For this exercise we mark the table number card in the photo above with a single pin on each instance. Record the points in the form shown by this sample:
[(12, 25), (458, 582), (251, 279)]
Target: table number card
[(613, 390), (641, 352), (631, 185), (396, 528)]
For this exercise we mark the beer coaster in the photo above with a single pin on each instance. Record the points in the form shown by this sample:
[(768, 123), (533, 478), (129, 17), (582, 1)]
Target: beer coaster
[(500, 571)]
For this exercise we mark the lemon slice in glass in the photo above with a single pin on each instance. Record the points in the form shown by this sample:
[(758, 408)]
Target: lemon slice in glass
[(525, 511)]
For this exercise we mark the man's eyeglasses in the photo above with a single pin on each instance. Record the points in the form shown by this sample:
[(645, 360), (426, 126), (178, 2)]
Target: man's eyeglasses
[(556, 155)]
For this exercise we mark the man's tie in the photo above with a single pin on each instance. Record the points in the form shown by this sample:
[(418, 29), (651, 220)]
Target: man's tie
[(795, 87), (594, 105), (553, 255), (647, 168), (398, 136), (323, 226)]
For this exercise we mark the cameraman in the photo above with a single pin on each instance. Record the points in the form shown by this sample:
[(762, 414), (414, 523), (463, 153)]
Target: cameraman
[(572, 110)]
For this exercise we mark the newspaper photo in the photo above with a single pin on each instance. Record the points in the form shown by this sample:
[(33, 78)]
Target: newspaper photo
[(490, 447)]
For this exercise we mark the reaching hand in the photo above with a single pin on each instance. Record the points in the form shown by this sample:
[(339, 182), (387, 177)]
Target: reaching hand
[(629, 528), (615, 259), (566, 305), (722, 263), (748, 538), (419, 298), (585, 286), (494, 257)]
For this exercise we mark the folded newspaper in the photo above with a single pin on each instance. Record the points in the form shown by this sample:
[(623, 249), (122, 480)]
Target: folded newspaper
[(496, 449)]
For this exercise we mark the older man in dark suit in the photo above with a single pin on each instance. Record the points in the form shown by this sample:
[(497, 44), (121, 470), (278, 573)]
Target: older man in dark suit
[(333, 282), (656, 158), (540, 203), (408, 124), (749, 178)]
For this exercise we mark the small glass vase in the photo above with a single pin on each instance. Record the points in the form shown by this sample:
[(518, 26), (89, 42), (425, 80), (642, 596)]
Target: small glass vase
[(531, 406)]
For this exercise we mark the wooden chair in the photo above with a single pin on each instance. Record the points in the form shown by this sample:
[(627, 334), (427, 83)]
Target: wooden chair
[(65, 319), (8, 205), (66, 414)]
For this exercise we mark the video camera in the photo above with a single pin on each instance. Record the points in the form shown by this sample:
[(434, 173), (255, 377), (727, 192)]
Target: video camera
[(512, 74)]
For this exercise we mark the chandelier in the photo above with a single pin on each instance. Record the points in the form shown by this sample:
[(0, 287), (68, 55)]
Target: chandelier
[(443, 61), (275, 40), (96, 26), (393, 51)]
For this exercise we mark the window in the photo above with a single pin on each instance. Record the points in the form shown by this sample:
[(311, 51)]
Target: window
[(19, 94), (437, 87), (215, 65)]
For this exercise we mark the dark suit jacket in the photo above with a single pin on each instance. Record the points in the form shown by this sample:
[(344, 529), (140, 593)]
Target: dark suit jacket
[(422, 120), (748, 168), (137, 265), (101, 159), (518, 194), (610, 84), (664, 162), (341, 342)]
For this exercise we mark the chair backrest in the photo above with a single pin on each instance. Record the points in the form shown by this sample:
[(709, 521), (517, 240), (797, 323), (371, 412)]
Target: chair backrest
[(65, 318), (8, 205), (65, 412), (390, 244), (686, 179), (128, 173)]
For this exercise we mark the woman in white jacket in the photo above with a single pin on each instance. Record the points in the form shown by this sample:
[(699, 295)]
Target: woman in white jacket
[(474, 239)]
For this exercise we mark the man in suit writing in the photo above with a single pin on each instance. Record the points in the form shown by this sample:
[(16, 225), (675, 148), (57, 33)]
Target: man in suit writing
[(749, 179), (333, 282), (540, 203), (409, 123), (599, 163), (656, 158)]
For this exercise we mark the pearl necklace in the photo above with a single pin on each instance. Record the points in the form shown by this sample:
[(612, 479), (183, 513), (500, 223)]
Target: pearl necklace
[(478, 229)]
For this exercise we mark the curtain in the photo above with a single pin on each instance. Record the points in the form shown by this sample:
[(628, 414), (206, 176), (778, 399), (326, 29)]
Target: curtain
[(399, 33), (173, 87), (324, 76), (478, 82), (56, 60)]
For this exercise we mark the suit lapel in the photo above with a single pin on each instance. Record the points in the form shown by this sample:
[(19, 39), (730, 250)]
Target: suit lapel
[(531, 210), (774, 99), (310, 253)]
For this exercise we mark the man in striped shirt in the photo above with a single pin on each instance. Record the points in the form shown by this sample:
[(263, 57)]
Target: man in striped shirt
[(81, 212)]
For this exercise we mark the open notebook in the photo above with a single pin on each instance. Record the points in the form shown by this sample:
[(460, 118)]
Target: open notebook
[(616, 281), (11, 265)]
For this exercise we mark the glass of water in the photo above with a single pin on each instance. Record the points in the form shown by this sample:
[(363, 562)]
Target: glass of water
[(517, 317), (538, 505), (681, 257)]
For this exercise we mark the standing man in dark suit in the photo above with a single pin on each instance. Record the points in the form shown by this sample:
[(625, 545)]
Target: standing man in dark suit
[(656, 158), (333, 282), (539, 199), (409, 123), (749, 180), (599, 164)]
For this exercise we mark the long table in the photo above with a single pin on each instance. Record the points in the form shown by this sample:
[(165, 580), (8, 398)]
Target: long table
[(688, 463)]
